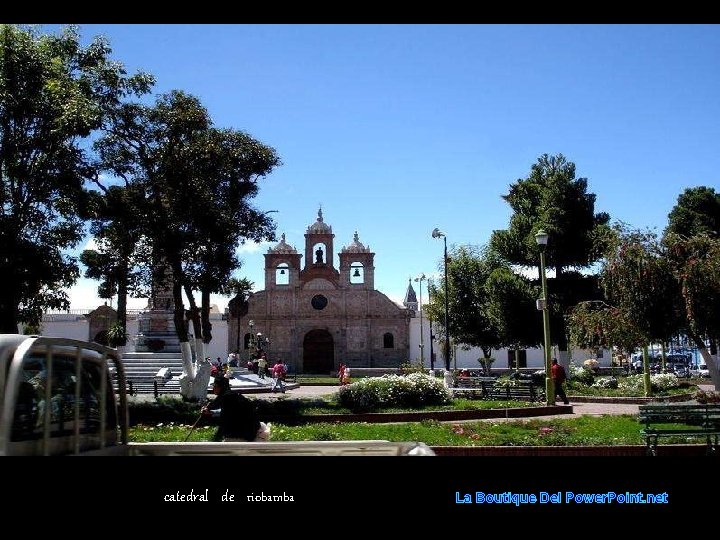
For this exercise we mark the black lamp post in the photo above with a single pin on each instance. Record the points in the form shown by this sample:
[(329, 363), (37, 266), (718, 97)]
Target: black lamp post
[(437, 234), (542, 239)]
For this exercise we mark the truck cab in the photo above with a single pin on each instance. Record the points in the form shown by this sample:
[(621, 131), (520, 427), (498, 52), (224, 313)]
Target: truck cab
[(57, 397)]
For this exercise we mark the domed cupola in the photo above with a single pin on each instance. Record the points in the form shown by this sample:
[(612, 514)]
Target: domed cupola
[(319, 227), (356, 246), (282, 247)]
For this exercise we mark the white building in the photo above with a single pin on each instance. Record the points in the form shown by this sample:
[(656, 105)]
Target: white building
[(460, 358)]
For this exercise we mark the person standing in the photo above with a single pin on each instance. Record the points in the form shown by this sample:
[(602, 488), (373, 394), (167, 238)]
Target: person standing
[(346, 376), (559, 377), (341, 373), (262, 366), (238, 419), (278, 372)]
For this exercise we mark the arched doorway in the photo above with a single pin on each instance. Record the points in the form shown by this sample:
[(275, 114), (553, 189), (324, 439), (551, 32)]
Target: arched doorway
[(318, 352)]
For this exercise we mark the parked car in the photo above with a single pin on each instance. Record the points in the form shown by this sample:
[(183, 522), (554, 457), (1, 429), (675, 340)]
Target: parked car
[(699, 370)]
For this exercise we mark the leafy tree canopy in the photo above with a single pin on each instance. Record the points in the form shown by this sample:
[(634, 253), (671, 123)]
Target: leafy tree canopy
[(54, 94), (697, 212)]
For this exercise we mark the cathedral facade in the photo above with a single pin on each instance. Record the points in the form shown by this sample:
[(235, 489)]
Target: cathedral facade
[(315, 316)]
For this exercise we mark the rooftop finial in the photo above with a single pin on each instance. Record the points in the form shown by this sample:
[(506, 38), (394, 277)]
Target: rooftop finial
[(320, 218)]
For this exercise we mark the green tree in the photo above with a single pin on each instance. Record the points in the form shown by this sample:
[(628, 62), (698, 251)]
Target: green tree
[(490, 306), (511, 308), (238, 305), (198, 182), (117, 230), (468, 269), (54, 94), (697, 212), (226, 168), (654, 290), (553, 199), (695, 264)]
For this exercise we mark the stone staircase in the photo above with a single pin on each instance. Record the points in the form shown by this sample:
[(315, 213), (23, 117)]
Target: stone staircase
[(141, 372)]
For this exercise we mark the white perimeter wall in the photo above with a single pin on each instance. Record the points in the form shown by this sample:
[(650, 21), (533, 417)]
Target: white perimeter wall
[(468, 359), (77, 327)]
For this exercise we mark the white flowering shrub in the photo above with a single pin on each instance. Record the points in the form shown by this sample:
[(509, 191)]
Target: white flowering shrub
[(581, 374), (605, 382), (664, 381), (413, 390), (658, 383), (632, 383)]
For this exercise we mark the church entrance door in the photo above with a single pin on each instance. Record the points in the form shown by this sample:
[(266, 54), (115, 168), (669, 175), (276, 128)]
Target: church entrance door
[(318, 352)]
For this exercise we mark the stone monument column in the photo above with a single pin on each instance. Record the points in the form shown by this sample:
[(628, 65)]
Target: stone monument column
[(156, 328)]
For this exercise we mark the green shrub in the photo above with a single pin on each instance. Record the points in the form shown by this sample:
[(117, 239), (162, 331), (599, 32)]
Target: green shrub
[(163, 409)]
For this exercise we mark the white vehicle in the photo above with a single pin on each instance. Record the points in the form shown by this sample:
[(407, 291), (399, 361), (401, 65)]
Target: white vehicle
[(57, 397), (699, 370)]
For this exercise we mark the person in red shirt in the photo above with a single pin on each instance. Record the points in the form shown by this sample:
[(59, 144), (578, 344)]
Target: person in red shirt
[(558, 377), (341, 373), (278, 373)]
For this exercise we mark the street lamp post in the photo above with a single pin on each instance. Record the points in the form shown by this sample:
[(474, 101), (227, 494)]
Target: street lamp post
[(432, 353), (251, 343), (542, 239), (420, 279), (437, 234), (262, 343)]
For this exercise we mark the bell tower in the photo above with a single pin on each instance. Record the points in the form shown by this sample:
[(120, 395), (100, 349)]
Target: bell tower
[(282, 265), (319, 252), (357, 268)]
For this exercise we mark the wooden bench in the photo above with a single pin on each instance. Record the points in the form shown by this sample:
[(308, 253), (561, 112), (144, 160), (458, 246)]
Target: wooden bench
[(487, 388), (680, 420)]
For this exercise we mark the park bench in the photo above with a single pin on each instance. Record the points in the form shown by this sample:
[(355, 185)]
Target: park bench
[(488, 388), (680, 420), (146, 385)]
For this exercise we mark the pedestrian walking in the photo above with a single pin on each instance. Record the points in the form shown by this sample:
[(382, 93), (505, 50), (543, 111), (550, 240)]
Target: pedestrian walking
[(559, 377), (278, 372)]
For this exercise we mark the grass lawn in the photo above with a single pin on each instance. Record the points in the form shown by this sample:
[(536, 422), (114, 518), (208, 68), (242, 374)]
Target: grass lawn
[(582, 431)]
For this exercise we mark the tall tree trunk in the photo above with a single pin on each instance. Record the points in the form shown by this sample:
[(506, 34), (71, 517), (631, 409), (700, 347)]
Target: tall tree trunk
[(122, 301), (197, 327), (179, 318), (8, 307), (707, 357), (8, 320), (646, 371), (205, 315)]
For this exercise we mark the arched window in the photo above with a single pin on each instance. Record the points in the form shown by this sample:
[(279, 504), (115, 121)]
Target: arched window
[(282, 274), (246, 341), (357, 273), (320, 254), (388, 341)]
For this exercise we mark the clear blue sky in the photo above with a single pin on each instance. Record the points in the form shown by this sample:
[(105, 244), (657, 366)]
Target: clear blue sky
[(397, 129)]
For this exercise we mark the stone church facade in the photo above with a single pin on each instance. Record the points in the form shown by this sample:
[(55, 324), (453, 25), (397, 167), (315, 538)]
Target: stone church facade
[(315, 315)]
